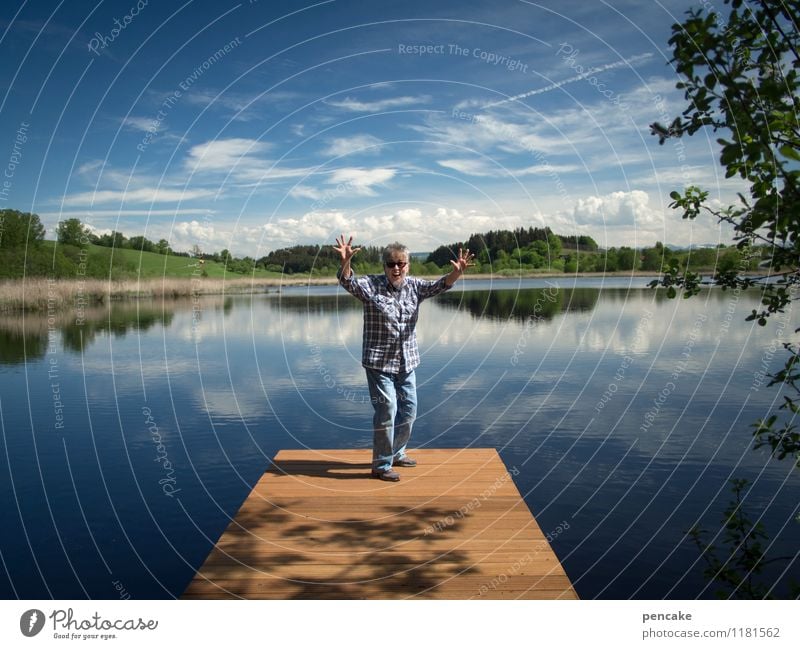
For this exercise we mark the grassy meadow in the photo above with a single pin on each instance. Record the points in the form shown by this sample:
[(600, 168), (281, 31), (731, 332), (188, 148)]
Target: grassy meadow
[(128, 274)]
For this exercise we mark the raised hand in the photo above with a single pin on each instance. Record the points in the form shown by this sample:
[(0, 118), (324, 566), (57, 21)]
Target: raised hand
[(464, 260), (345, 248)]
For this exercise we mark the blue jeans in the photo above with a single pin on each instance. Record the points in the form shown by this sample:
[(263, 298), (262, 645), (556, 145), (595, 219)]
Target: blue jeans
[(394, 397)]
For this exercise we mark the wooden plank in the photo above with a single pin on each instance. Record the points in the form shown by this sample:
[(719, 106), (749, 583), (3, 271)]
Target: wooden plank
[(263, 560), (360, 456), (317, 526), (464, 587)]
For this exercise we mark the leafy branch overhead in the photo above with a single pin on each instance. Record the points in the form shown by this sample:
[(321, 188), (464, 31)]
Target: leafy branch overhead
[(739, 74), (743, 558)]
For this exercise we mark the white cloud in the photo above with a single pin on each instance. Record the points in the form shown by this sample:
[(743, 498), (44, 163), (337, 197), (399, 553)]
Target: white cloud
[(97, 172), (421, 229), (141, 123), (154, 127), (224, 155), (89, 167), (618, 208), (554, 86), (265, 172), (409, 220), (121, 214), (470, 167), (125, 186), (487, 134), (141, 195), (361, 180), (303, 191), (546, 170), (380, 105), (240, 239), (703, 175), (592, 135), (240, 107), (195, 230), (348, 181), (239, 161), (342, 146), (209, 97), (312, 227), (482, 168), (529, 136)]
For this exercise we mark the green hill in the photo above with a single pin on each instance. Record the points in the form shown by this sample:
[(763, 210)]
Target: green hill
[(152, 264), (100, 262)]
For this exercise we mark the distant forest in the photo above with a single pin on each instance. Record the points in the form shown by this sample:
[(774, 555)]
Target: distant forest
[(504, 252), (509, 252)]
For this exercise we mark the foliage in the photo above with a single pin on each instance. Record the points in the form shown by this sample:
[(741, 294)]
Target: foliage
[(244, 266), (739, 74), (547, 254), (744, 559), (63, 262), (489, 245), (581, 242), (112, 239), (626, 258), (784, 441), (73, 232), (141, 243), (118, 240), (33, 261), (322, 259), (20, 229)]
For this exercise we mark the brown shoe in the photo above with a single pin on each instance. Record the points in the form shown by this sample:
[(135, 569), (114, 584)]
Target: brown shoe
[(405, 461), (388, 474)]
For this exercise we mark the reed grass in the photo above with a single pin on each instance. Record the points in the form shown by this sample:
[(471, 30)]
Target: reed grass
[(43, 294)]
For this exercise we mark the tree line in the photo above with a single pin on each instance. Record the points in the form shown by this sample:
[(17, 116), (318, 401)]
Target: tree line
[(81, 252), (537, 249), (497, 251), (23, 252)]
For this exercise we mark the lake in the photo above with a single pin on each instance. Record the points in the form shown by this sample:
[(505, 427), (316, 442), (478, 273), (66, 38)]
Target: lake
[(129, 440)]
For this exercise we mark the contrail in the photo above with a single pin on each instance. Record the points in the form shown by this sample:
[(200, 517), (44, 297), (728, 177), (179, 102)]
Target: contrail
[(558, 84)]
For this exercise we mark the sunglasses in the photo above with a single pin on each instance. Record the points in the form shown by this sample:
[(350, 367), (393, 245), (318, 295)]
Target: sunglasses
[(395, 264)]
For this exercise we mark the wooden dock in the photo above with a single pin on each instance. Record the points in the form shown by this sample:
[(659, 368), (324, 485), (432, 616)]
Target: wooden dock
[(317, 526)]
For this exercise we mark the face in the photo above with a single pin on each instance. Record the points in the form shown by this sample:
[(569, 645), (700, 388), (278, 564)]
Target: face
[(397, 274)]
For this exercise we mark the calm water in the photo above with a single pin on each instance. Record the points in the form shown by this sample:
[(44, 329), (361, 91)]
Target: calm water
[(128, 442)]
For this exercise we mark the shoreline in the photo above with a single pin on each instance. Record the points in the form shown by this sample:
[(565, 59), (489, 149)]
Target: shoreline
[(321, 281), (44, 294)]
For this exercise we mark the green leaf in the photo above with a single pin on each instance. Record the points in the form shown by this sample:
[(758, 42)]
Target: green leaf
[(788, 151)]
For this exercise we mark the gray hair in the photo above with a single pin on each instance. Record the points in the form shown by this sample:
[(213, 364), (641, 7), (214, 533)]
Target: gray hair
[(395, 247)]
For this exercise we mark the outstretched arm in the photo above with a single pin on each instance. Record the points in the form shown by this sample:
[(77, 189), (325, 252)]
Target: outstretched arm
[(347, 252), (459, 266)]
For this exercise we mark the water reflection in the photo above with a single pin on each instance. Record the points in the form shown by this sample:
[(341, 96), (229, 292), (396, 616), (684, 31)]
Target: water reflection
[(26, 336), (230, 381), (16, 344), (498, 304), (508, 304)]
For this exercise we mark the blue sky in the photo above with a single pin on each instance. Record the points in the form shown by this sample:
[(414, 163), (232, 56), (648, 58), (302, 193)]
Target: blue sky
[(257, 125)]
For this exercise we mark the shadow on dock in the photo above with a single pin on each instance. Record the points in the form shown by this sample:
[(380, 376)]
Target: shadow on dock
[(317, 526)]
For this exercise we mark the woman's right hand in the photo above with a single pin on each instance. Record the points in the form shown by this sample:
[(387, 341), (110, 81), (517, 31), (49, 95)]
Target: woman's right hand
[(345, 248)]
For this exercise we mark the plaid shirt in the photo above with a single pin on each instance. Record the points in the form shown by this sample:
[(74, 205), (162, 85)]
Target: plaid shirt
[(390, 318)]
